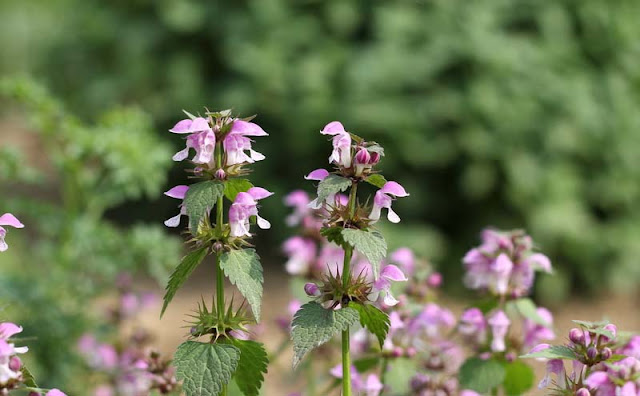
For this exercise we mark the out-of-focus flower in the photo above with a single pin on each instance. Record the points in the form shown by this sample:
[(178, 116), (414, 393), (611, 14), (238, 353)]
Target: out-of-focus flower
[(384, 198), (473, 326), (302, 254), (390, 273), (499, 323), (535, 333), (369, 386), (7, 219), (405, 259)]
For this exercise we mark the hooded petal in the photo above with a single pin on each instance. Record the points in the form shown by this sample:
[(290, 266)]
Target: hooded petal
[(177, 192), (394, 188), (247, 128), (8, 329), (393, 273), (540, 262), (8, 219), (333, 128), (318, 174), (182, 126), (259, 193)]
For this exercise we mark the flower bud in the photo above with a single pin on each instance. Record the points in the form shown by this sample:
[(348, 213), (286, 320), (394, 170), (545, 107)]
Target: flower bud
[(613, 330), (375, 158), (434, 280), (606, 353), (15, 363), (312, 290), (411, 352), (583, 392), (592, 353), (363, 157), (576, 336), (397, 352), (220, 174)]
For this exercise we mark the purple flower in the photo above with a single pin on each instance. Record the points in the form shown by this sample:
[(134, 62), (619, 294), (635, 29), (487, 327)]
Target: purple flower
[(432, 320), (319, 175), (301, 252), (243, 207), (501, 269), (405, 259), (55, 392), (554, 366), (384, 198), (371, 386), (236, 143), (473, 325), (499, 323), (390, 273), (177, 192), (201, 138), (7, 219), (9, 363), (191, 126), (341, 154), (534, 333), (299, 201), (364, 161)]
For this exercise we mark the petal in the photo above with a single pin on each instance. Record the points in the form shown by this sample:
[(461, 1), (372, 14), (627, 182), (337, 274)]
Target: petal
[(540, 262), (389, 300), (393, 216), (10, 220), (318, 174), (8, 329), (182, 126), (393, 273), (247, 128), (394, 188), (178, 192), (259, 193), (199, 124), (256, 156), (181, 155), (173, 222), (333, 128), (262, 223), (3, 244)]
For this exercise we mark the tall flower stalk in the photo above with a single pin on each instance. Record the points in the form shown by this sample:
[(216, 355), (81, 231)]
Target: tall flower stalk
[(345, 296), (223, 148)]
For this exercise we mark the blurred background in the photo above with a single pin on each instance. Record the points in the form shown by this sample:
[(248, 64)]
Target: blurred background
[(515, 114)]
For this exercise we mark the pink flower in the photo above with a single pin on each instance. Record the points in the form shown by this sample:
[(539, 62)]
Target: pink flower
[(177, 192), (554, 366), (432, 320), (319, 175), (534, 333), (390, 273), (383, 199), (201, 138), (301, 253), (243, 207), (236, 143), (188, 125), (299, 201), (364, 161), (405, 259), (473, 325), (55, 392), (499, 323), (501, 269), (341, 154), (371, 386), (7, 219)]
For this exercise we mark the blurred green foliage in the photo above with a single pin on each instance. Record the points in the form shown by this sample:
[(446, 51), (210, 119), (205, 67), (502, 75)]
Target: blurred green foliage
[(512, 113), (68, 255)]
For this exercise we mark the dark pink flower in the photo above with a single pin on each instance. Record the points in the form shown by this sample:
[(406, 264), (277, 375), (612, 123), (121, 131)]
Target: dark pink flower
[(384, 198)]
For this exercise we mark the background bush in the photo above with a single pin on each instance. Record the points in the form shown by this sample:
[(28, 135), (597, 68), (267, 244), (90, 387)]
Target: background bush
[(512, 113)]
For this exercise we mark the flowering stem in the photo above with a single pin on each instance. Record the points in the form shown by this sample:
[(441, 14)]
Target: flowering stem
[(348, 253), (219, 273)]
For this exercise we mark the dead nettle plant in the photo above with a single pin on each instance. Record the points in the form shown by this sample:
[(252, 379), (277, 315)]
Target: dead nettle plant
[(219, 349)]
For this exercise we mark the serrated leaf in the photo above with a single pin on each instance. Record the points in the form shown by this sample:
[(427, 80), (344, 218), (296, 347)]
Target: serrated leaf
[(313, 325), (233, 186), (28, 378), (370, 243), (373, 319), (553, 352), (200, 199), (528, 309), (590, 325), (244, 270), (376, 148), (181, 274), (365, 364), (251, 367), (519, 378), (333, 234), (205, 368), (332, 184), (481, 375), (377, 180)]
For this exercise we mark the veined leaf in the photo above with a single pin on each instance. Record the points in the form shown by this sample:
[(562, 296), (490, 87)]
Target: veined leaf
[(332, 184), (373, 319), (370, 243), (376, 179), (251, 367), (181, 274), (205, 368), (200, 199), (234, 186), (481, 375), (553, 352), (244, 270)]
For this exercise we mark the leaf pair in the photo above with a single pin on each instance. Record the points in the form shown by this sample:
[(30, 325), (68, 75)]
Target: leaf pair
[(207, 368)]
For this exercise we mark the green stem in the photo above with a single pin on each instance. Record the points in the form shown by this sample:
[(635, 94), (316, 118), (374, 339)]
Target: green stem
[(346, 275), (219, 274)]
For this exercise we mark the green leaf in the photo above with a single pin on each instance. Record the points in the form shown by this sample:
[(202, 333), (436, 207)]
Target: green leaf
[(332, 184), (365, 364), (200, 199), (313, 325), (377, 180), (553, 352), (251, 367), (370, 243), (205, 368), (481, 375), (181, 274), (244, 270), (528, 309), (233, 186), (373, 319), (333, 234), (28, 378), (519, 378)]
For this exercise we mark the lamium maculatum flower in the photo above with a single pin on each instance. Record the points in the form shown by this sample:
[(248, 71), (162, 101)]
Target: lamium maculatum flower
[(390, 273), (244, 206), (177, 192), (384, 198), (7, 219), (236, 143), (341, 154)]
